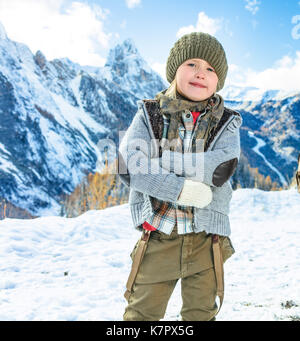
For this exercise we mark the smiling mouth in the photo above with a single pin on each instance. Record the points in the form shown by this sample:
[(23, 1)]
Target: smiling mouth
[(197, 85)]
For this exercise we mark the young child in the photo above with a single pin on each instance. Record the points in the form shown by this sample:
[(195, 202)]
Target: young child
[(183, 214)]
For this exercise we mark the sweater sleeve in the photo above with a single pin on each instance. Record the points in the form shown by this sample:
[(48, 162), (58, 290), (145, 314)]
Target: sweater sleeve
[(213, 167), (142, 172)]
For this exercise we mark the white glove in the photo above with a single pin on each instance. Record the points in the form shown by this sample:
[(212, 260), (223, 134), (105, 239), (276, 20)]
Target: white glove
[(195, 194)]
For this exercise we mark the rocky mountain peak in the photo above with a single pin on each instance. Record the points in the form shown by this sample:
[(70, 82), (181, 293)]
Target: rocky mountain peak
[(40, 59), (121, 52)]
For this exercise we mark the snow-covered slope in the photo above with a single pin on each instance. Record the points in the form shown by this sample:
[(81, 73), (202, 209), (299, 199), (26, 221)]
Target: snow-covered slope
[(56, 268)]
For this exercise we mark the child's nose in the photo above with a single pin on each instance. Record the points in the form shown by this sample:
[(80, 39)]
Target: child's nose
[(199, 70), (200, 73)]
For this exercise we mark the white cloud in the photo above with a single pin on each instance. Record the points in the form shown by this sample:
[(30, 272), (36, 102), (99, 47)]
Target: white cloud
[(284, 75), (160, 68), (58, 28), (204, 24), (252, 6), (233, 67), (132, 3)]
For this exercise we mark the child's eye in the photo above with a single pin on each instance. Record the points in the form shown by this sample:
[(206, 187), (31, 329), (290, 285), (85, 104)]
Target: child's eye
[(193, 65)]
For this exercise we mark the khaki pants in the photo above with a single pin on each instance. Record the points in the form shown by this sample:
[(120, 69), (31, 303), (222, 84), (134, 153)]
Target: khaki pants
[(169, 258)]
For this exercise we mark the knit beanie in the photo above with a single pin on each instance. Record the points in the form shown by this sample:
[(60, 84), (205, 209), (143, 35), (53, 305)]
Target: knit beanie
[(198, 45)]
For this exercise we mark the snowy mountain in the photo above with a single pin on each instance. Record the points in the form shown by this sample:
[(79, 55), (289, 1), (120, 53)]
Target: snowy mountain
[(53, 113), (270, 135), (246, 94), (62, 269)]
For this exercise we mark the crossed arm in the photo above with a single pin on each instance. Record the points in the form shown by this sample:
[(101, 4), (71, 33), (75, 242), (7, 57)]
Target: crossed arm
[(162, 179)]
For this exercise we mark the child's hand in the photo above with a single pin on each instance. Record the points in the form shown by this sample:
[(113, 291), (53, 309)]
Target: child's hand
[(195, 194)]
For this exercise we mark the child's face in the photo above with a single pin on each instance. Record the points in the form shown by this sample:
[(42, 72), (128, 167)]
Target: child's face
[(196, 79)]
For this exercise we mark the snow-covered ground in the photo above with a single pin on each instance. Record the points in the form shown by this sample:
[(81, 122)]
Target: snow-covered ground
[(55, 268)]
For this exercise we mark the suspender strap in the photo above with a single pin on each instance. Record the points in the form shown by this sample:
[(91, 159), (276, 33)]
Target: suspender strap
[(137, 260), (218, 265)]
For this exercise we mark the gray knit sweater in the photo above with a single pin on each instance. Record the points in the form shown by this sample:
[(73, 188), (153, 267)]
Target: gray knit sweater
[(154, 181)]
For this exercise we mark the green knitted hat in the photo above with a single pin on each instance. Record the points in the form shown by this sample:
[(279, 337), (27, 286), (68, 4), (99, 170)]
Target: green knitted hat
[(198, 45)]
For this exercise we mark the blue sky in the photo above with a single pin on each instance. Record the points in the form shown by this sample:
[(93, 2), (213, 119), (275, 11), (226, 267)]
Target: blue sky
[(261, 37)]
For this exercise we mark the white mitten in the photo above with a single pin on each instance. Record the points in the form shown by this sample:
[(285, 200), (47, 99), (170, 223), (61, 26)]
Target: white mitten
[(195, 194)]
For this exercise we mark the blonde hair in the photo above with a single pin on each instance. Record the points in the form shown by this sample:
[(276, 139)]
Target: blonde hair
[(171, 91)]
